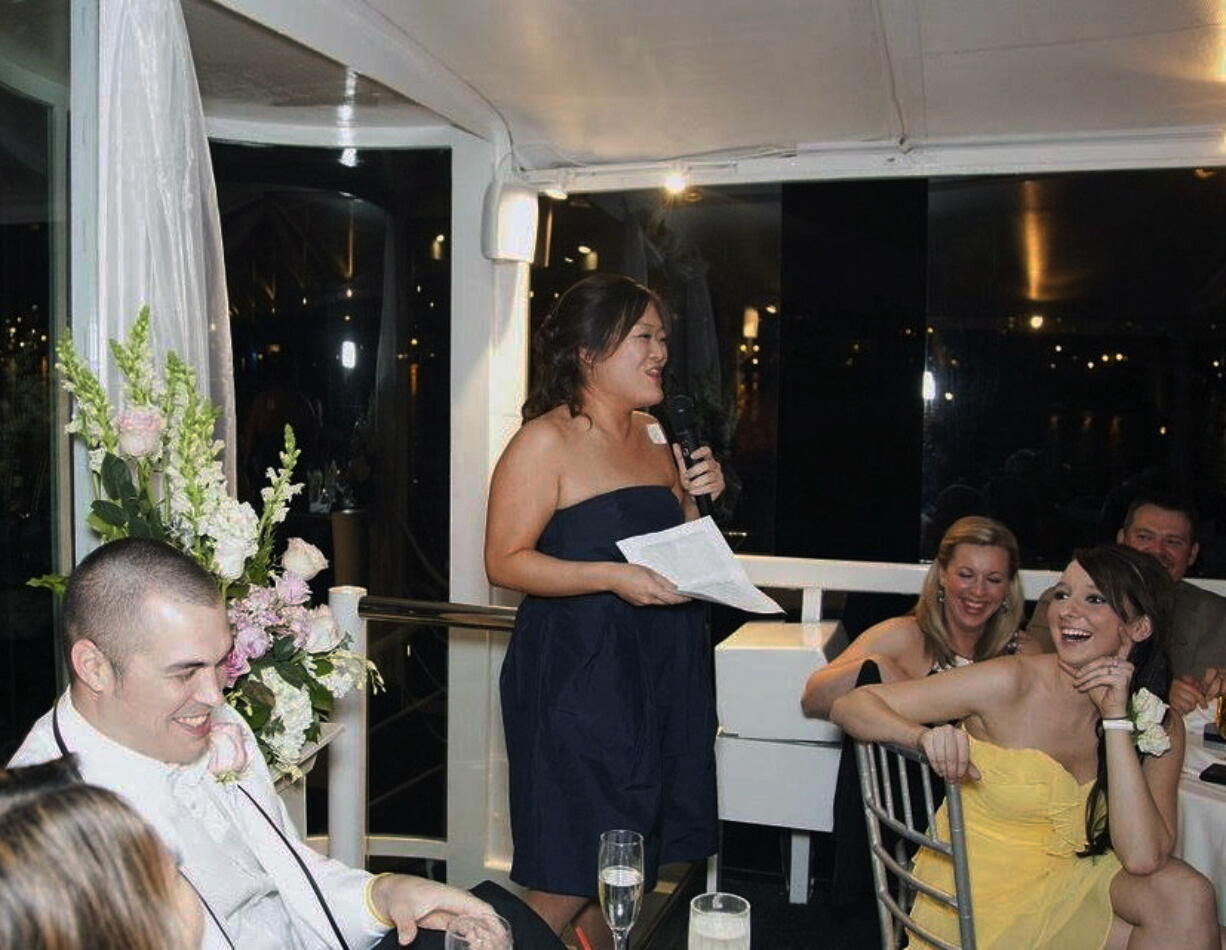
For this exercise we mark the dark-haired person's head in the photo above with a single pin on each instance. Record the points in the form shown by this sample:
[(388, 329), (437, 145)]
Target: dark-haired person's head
[(79, 868), (1165, 526), (146, 635), (1139, 592), (587, 324)]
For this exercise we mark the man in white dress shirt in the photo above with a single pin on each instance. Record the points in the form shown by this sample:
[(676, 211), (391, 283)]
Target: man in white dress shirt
[(146, 637)]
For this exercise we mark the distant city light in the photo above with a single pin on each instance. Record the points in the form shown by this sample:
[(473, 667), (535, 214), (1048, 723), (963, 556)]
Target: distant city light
[(949, 397), (1036, 321)]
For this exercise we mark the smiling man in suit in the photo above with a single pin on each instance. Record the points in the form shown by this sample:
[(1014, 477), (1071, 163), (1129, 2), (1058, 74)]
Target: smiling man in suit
[(146, 637)]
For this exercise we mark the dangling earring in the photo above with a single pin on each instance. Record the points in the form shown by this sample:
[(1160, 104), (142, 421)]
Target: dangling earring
[(1004, 606), (941, 595)]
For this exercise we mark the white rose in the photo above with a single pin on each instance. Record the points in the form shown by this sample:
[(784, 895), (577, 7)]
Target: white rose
[(303, 558), (1153, 741), (230, 559), (323, 632), (140, 432), (1147, 710)]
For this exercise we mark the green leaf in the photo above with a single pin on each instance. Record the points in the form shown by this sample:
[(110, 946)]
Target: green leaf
[(321, 699), (259, 717), (283, 648), (322, 667), (109, 513), (137, 528), (259, 694), (115, 476), (56, 583), (292, 673)]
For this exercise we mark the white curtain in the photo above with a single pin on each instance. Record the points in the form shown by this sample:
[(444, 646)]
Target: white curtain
[(159, 235)]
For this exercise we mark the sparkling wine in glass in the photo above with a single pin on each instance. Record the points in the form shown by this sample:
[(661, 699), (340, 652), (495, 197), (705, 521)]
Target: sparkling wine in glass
[(620, 882), (478, 932), (719, 922)]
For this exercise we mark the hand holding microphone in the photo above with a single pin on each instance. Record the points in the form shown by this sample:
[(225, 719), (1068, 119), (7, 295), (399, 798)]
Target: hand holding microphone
[(701, 475)]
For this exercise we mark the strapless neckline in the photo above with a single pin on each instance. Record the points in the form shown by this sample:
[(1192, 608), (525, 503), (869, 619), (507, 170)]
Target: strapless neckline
[(1050, 758), (612, 492)]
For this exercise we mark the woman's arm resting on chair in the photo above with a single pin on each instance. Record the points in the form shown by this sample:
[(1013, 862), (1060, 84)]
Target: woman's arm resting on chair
[(895, 645)]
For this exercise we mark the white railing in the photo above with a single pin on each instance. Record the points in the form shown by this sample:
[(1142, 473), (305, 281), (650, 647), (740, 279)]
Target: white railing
[(477, 842)]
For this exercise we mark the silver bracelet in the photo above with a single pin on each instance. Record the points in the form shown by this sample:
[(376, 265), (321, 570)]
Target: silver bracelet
[(1122, 724)]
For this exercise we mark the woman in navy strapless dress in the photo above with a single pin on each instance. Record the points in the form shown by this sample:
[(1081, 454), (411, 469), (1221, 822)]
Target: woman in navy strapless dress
[(606, 689)]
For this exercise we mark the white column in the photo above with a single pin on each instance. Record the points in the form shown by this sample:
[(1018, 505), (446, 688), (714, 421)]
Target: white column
[(347, 753), (488, 367)]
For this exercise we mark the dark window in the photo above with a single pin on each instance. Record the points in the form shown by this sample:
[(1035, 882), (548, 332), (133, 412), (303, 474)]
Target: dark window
[(338, 273)]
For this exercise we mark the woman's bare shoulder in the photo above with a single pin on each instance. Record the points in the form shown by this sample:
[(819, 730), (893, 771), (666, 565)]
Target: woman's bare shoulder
[(897, 636)]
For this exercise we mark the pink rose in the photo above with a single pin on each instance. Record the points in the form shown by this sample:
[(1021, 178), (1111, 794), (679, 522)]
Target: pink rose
[(235, 665), (303, 558), (323, 633), (252, 642), (227, 752), (140, 432), (292, 589)]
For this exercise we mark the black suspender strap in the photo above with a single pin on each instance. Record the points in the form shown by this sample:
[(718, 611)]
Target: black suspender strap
[(63, 746), (302, 865), (212, 914)]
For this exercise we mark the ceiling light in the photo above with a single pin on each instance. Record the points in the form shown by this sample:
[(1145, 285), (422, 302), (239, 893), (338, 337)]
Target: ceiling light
[(554, 192), (675, 182), (584, 249), (349, 157), (1036, 321)]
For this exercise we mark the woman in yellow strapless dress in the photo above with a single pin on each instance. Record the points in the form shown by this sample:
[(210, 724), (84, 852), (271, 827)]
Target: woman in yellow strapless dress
[(1069, 828)]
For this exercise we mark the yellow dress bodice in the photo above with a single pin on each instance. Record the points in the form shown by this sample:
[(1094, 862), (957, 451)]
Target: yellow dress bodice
[(1025, 823)]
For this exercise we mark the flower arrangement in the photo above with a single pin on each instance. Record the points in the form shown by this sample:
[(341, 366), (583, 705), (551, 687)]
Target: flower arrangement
[(1147, 712), (156, 474)]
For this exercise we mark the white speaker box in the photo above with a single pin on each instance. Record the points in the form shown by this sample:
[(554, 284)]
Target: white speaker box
[(508, 231)]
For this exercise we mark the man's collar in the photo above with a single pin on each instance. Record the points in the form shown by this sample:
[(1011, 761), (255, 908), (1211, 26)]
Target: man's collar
[(124, 765)]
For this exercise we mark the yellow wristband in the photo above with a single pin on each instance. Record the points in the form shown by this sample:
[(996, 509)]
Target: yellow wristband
[(368, 898)]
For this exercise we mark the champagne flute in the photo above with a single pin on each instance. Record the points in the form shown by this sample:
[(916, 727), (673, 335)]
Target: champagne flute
[(478, 932), (719, 922), (620, 882)]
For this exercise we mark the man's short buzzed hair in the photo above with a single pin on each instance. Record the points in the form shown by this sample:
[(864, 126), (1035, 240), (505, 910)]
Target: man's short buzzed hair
[(1168, 501), (107, 593)]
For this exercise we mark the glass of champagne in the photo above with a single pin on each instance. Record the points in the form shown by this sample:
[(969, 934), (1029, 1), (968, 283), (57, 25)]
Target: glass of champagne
[(620, 882), (478, 932), (719, 922)]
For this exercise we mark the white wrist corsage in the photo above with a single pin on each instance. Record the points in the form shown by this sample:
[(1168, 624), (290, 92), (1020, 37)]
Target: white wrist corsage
[(1147, 712)]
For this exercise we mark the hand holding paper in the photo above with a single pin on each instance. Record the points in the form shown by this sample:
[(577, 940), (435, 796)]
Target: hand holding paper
[(696, 558)]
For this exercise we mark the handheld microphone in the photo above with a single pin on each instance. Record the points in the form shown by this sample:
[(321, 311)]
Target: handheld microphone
[(684, 422)]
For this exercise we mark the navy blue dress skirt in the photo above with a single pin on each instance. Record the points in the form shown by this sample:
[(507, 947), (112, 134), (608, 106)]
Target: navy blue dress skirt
[(609, 711)]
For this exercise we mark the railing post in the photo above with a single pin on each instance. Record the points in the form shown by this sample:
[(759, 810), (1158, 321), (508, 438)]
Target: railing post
[(347, 753)]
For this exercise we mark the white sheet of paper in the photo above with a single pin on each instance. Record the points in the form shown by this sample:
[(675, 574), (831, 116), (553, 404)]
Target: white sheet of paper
[(696, 558)]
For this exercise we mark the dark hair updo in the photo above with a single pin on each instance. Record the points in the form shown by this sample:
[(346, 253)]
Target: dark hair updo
[(587, 323)]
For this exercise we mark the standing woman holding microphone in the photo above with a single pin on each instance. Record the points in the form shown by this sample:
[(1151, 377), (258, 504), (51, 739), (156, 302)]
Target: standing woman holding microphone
[(606, 689)]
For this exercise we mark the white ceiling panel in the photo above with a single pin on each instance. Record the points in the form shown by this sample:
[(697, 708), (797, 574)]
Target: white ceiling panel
[(613, 82)]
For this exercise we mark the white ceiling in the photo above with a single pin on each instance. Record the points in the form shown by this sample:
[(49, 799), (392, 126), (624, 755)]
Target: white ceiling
[(584, 82)]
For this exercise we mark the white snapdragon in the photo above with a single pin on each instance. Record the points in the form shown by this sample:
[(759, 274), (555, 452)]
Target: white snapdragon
[(349, 671)]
